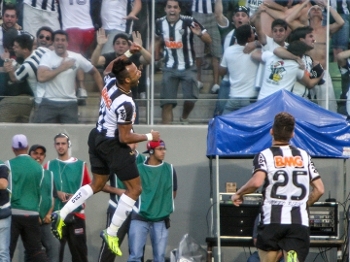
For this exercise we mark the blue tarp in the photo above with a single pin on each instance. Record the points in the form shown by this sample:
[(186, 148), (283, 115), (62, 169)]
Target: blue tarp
[(245, 132)]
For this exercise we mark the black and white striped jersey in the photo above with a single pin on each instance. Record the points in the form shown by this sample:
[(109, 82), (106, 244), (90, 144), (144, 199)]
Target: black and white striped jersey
[(116, 108), (178, 41), (203, 6), (29, 68), (289, 171), (28, 72), (48, 5)]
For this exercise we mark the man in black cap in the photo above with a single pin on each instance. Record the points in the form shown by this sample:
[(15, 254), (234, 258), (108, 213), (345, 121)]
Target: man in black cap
[(51, 244), (240, 17), (38, 153)]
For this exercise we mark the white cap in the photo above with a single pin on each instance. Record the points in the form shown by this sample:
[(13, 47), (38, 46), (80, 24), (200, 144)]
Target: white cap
[(19, 141)]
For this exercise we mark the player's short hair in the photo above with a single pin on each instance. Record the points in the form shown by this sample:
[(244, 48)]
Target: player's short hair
[(119, 69), (279, 22), (283, 127)]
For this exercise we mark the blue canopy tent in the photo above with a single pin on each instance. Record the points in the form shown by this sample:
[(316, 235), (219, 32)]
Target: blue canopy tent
[(246, 132)]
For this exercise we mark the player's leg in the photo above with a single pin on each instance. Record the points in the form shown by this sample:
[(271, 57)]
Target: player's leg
[(296, 243), (268, 242), (100, 177), (268, 256), (79, 198), (100, 171), (130, 177), (106, 255), (126, 203), (290, 256)]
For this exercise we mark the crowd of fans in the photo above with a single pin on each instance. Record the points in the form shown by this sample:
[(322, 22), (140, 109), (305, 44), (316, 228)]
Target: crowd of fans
[(290, 46), (46, 48)]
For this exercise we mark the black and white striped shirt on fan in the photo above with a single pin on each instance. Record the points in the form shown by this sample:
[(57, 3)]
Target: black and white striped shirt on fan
[(178, 42), (203, 6), (49, 5)]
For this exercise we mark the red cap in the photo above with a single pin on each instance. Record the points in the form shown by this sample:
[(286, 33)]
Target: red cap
[(153, 145)]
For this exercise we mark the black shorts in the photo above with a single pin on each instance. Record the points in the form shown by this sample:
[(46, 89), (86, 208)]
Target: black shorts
[(275, 237), (107, 156)]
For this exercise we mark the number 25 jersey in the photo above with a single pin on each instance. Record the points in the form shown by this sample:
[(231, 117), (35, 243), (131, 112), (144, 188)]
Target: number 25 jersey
[(289, 171)]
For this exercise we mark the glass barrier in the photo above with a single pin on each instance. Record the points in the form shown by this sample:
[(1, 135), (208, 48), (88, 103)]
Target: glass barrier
[(172, 59), (206, 106)]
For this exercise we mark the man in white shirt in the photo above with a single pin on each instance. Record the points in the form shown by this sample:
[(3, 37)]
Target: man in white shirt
[(235, 62), (240, 17), (282, 74), (306, 35), (269, 42), (57, 71), (38, 13), (116, 19)]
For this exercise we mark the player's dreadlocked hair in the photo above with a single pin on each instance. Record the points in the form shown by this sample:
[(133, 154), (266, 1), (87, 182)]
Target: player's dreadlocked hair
[(283, 127), (119, 69)]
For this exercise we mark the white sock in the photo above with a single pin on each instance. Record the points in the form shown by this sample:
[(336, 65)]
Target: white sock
[(77, 200), (125, 205)]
